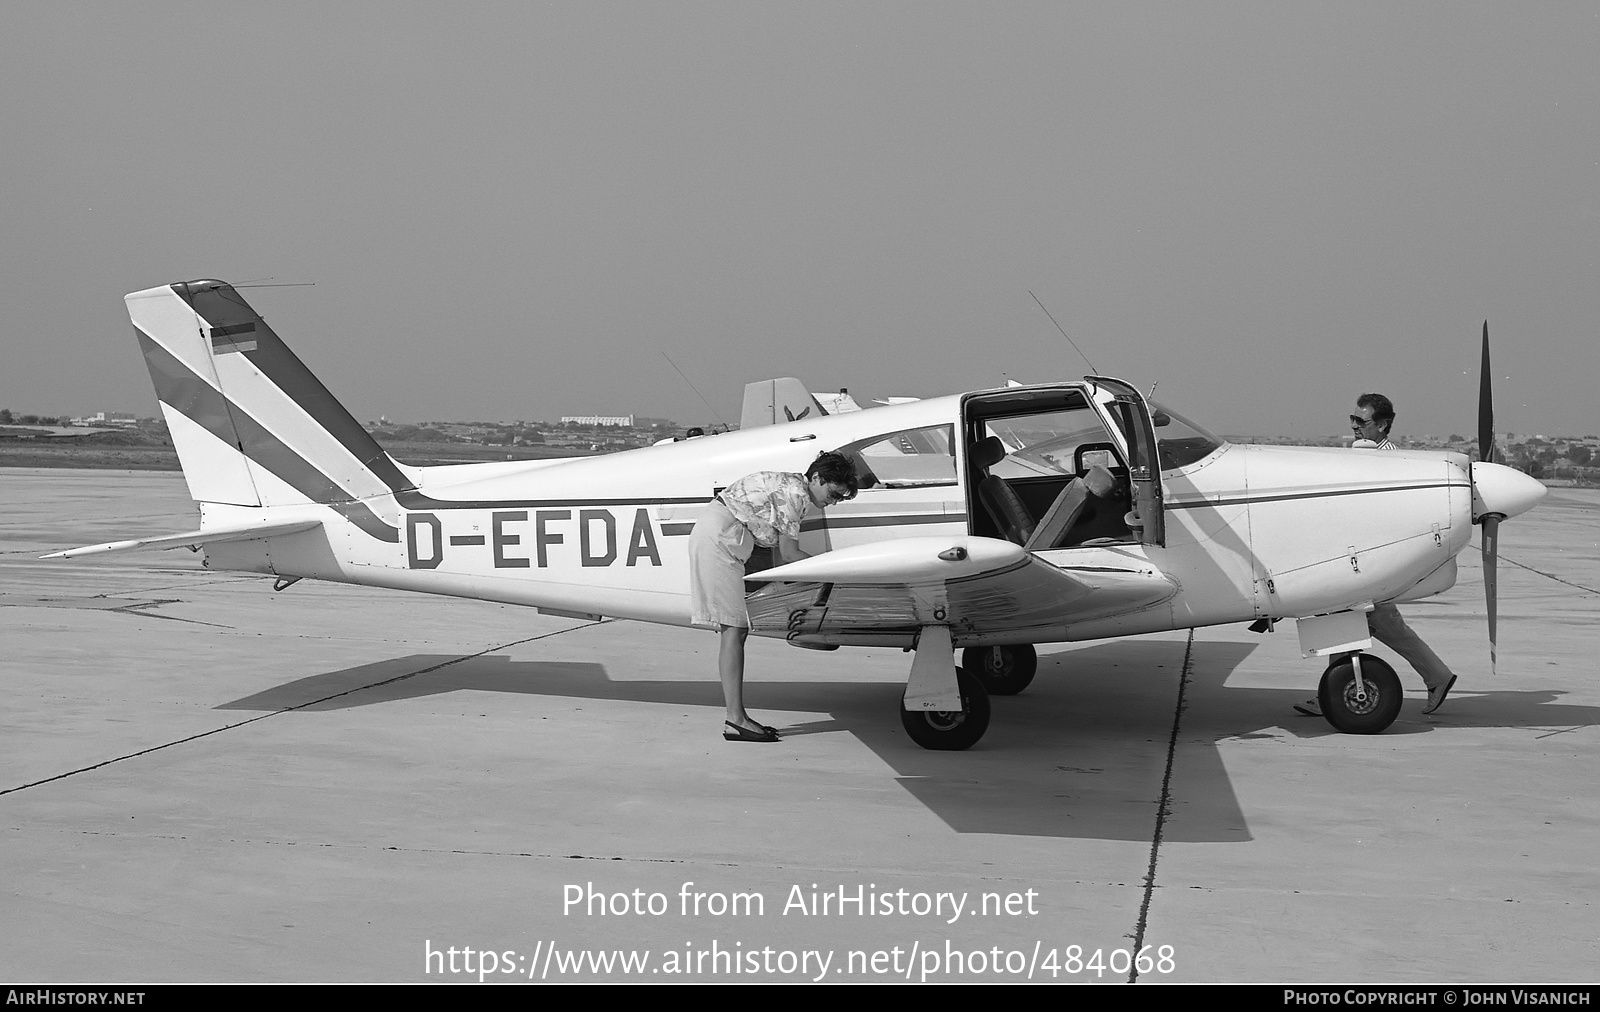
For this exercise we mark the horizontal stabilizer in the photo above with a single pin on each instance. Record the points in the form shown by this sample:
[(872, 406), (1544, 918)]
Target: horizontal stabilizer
[(205, 536)]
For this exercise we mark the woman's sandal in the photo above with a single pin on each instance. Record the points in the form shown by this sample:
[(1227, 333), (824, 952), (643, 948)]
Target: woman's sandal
[(737, 733)]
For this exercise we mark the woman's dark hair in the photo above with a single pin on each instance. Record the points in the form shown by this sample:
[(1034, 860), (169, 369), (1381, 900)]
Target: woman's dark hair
[(834, 469)]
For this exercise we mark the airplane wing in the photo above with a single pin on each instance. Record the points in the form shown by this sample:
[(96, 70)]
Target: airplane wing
[(205, 536), (885, 591)]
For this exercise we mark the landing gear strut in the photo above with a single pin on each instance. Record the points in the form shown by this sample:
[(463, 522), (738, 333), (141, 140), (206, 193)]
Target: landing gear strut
[(1004, 671), (1359, 694)]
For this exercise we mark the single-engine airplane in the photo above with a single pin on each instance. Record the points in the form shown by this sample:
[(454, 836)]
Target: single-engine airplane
[(989, 521)]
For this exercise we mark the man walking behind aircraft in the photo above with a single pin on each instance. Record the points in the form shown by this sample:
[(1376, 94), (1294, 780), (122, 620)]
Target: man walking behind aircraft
[(1371, 423)]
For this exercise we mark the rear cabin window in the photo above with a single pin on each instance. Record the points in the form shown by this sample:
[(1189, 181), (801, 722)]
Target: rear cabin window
[(910, 458)]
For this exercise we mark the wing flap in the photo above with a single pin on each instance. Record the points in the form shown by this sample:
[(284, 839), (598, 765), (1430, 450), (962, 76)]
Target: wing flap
[(204, 536)]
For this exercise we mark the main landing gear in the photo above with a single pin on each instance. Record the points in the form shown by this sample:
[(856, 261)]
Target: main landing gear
[(1359, 694), (944, 707), (951, 730), (1004, 671)]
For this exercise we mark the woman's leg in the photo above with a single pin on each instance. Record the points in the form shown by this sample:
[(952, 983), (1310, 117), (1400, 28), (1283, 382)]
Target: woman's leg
[(730, 666)]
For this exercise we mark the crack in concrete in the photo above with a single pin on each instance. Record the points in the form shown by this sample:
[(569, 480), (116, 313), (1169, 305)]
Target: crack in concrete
[(297, 706), (1163, 810)]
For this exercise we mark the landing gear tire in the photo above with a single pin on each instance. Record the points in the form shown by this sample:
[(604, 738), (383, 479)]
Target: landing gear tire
[(1353, 711), (1004, 671), (951, 730)]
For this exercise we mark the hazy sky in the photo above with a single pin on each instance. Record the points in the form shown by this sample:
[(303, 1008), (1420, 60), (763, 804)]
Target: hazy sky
[(513, 210)]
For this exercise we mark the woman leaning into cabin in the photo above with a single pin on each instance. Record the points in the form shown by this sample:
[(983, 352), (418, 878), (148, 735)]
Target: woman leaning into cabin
[(764, 508)]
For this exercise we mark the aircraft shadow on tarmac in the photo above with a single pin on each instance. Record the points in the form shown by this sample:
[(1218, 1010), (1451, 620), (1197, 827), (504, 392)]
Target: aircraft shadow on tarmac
[(1081, 754)]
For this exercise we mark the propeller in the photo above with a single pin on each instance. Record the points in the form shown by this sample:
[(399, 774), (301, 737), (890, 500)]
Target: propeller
[(1498, 492), (1491, 521)]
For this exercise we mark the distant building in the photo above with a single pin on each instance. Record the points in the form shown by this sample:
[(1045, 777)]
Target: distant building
[(108, 418), (626, 421)]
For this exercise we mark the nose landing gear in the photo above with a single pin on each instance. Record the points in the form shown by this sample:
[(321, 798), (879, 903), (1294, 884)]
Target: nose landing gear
[(1359, 694)]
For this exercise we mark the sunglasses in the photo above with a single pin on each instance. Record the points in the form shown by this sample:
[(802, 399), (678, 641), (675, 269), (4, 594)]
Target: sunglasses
[(1359, 422)]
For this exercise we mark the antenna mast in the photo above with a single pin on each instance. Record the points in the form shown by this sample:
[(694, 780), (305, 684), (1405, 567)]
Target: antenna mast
[(1067, 336), (697, 393)]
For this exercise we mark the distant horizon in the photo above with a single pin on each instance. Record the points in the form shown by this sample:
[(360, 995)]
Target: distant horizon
[(1508, 434)]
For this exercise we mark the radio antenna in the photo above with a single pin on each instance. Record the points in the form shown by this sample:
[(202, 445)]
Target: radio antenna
[(265, 283), (1067, 336), (697, 393)]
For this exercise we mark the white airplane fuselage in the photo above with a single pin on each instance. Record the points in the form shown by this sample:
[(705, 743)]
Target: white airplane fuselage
[(996, 518), (1251, 531)]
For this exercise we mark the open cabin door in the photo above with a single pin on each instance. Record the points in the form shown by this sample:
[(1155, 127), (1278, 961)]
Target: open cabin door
[(1044, 469), (1131, 414)]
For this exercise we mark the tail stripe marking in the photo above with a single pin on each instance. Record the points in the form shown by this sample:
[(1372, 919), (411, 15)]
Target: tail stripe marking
[(200, 402), (229, 315)]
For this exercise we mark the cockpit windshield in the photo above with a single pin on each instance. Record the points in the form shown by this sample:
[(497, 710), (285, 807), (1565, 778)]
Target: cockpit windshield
[(1180, 442)]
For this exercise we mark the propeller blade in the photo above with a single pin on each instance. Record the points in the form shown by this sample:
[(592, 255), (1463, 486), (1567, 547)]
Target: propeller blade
[(1485, 404), (1491, 583), (1490, 522)]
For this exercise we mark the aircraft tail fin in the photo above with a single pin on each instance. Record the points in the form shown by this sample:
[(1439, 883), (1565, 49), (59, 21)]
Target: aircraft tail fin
[(251, 424), (777, 402)]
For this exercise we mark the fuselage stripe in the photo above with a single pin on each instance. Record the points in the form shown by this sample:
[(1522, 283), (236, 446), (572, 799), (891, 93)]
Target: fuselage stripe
[(418, 501), (841, 522), (1245, 500)]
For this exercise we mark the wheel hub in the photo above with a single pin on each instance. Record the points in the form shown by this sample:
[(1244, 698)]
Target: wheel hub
[(945, 720), (1358, 701)]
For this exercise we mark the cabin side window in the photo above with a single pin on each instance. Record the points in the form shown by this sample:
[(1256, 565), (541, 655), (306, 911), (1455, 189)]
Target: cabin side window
[(910, 458)]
